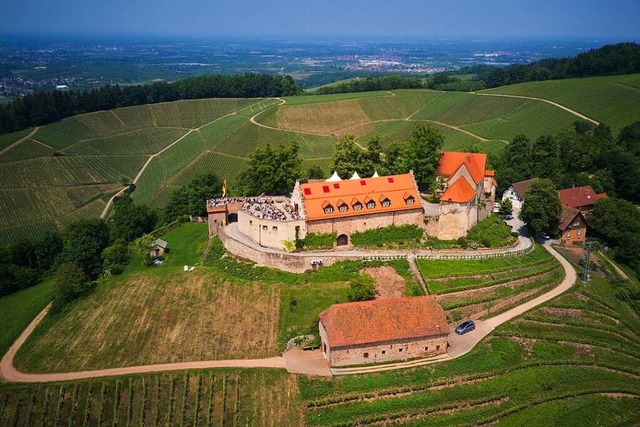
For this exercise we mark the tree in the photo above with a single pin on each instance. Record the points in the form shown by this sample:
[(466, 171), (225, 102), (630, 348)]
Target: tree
[(84, 242), (315, 172), (69, 283), (362, 288), (617, 221), (423, 153), (629, 139), (348, 158), (272, 171), (506, 207), (542, 207), (545, 158), (130, 221), (116, 257)]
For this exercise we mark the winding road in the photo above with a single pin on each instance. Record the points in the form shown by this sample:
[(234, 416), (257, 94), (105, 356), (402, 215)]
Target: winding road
[(298, 361)]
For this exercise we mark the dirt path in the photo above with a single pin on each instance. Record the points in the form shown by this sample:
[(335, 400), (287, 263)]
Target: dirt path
[(575, 113), (460, 345), (413, 266), (20, 141)]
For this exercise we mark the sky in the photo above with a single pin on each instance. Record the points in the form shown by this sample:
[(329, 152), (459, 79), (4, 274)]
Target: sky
[(607, 19)]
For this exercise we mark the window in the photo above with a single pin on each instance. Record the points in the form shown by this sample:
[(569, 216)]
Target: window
[(343, 208), (275, 228), (568, 233), (328, 209), (575, 224), (579, 232), (325, 188), (366, 355), (386, 203), (437, 347), (357, 206), (400, 350), (264, 227), (371, 204), (426, 349), (410, 200), (384, 351), (250, 222)]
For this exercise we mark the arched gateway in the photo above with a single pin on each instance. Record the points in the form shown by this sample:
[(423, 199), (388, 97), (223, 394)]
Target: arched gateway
[(342, 240)]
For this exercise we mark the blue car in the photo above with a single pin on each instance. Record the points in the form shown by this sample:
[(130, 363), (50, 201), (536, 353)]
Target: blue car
[(465, 327)]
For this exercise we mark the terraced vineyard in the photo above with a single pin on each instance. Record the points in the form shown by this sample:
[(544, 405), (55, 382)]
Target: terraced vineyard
[(482, 288), (220, 397), (574, 361), (176, 140)]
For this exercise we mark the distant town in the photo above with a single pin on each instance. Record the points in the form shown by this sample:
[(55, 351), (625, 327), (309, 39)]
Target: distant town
[(30, 65)]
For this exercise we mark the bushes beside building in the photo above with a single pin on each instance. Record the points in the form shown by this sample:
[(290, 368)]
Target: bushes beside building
[(393, 236), (316, 241), (491, 232)]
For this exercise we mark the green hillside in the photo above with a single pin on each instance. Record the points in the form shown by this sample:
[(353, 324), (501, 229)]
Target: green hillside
[(70, 169), (613, 100)]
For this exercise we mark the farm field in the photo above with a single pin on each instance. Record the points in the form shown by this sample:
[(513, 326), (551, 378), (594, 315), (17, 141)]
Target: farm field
[(214, 397), (177, 140), (574, 361), (613, 100)]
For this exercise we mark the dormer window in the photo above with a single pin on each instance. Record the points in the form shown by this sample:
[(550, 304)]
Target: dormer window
[(410, 200), (386, 203), (371, 204), (328, 209), (343, 207), (357, 206)]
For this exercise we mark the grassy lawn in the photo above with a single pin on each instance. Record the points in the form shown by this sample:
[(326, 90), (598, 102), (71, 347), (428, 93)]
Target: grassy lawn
[(208, 397), (491, 232), (19, 309), (560, 375)]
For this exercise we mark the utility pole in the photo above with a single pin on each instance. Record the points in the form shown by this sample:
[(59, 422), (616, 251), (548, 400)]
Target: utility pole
[(588, 247)]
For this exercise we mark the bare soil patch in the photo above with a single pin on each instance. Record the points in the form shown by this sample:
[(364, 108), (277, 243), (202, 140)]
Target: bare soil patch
[(389, 284)]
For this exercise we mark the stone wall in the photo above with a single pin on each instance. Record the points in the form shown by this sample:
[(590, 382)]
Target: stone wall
[(270, 233), (293, 263), (456, 219), (349, 225), (385, 351)]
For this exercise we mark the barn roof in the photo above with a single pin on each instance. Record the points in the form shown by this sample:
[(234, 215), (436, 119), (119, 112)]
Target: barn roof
[(316, 196), (383, 320), (160, 243)]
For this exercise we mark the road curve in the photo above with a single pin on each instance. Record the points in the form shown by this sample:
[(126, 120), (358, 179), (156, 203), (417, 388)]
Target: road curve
[(11, 374), (575, 113)]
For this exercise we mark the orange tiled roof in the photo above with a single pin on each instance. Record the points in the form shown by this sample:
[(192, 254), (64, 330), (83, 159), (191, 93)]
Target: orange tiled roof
[(382, 320), (450, 162), (489, 173), (577, 197), (316, 196), (461, 192)]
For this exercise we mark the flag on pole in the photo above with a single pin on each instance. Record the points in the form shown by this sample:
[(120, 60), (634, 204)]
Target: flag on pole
[(224, 188)]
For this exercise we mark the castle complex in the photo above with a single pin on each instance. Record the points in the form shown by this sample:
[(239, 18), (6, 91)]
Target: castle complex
[(466, 192)]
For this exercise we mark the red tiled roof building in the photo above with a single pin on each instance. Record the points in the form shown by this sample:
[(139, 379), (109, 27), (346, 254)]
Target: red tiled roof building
[(581, 198), (383, 330)]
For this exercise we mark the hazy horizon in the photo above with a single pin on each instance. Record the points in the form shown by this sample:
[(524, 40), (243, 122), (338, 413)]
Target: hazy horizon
[(374, 19)]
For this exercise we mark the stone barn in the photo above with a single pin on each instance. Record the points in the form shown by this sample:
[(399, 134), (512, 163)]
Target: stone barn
[(358, 333)]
